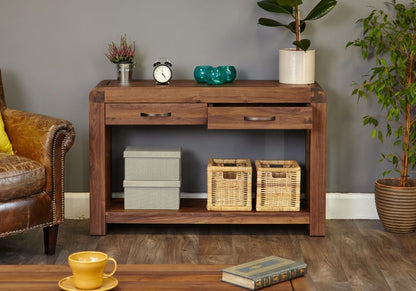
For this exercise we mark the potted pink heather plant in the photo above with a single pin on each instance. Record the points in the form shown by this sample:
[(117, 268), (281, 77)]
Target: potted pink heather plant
[(123, 57)]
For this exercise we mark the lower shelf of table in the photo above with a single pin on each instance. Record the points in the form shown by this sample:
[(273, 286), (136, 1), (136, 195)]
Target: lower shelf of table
[(193, 211)]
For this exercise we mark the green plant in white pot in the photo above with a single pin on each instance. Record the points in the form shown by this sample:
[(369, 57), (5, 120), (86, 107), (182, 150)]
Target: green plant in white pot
[(389, 42), (297, 65)]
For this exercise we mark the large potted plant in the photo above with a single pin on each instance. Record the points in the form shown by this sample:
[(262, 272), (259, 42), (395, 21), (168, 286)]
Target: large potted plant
[(123, 56), (389, 41), (296, 65)]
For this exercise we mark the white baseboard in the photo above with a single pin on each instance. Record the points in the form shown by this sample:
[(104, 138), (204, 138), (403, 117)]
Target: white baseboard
[(351, 206), (77, 205), (338, 205)]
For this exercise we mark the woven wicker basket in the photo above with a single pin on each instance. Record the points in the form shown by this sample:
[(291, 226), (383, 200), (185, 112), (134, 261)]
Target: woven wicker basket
[(278, 185), (229, 184)]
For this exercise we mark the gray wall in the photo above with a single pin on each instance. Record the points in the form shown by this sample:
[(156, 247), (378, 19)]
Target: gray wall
[(52, 55)]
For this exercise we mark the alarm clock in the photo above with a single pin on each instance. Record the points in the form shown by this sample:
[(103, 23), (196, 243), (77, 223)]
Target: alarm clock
[(162, 71)]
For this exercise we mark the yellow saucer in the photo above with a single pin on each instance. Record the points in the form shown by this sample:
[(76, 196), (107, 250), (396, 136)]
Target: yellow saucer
[(69, 285)]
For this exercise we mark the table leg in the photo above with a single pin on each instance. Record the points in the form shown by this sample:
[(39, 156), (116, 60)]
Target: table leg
[(100, 165), (316, 170)]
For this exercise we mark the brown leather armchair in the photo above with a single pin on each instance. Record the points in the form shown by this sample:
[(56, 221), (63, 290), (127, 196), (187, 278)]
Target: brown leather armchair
[(31, 181)]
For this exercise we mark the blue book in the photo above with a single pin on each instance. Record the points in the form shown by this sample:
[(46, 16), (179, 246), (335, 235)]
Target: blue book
[(263, 272)]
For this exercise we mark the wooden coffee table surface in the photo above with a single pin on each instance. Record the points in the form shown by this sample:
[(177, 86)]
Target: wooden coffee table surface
[(135, 277)]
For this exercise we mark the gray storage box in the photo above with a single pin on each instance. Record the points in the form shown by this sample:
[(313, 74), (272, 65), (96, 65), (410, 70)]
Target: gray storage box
[(151, 194), (152, 163)]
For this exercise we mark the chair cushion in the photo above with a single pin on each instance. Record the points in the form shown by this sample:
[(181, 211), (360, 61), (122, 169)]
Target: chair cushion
[(20, 177), (5, 145)]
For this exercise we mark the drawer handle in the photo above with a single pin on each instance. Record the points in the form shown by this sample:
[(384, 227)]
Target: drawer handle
[(166, 114), (259, 118)]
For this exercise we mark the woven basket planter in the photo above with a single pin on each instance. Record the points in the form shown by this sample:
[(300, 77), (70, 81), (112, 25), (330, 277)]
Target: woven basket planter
[(396, 206)]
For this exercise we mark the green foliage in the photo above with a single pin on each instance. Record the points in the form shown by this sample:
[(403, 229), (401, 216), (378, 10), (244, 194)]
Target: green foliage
[(389, 40), (290, 7)]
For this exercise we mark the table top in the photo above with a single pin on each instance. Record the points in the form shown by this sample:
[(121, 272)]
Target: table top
[(136, 277), (189, 91)]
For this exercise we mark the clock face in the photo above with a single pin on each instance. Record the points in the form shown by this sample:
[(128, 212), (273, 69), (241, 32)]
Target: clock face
[(162, 74)]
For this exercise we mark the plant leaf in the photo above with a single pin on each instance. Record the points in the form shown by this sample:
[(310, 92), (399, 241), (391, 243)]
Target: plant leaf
[(271, 22), (292, 26), (304, 44), (273, 6), (370, 120), (373, 135), (292, 3), (380, 136), (321, 9)]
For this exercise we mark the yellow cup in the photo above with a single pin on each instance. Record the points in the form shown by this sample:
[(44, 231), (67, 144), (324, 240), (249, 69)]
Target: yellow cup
[(88, 268)]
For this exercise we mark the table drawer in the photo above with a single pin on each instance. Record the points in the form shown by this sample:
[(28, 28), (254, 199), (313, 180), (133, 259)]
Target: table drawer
[(229, 117), (156, 114)]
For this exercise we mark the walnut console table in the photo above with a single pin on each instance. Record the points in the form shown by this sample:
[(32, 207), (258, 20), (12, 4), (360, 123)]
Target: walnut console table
[(264, 105)]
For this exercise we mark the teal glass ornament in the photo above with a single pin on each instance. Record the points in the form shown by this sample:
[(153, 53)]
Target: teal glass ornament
[(229, 72), (217, 76), (202, 73)]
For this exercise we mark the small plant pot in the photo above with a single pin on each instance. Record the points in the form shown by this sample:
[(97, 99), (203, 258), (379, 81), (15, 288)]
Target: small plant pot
[(124, 72), (396, 206), (296, 66)]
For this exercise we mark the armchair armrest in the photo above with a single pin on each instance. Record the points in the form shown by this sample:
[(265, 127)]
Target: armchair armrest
[(36, 136), (43, 139)]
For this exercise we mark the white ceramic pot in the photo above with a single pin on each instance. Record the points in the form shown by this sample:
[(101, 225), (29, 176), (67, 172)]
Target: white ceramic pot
[(296, 66)]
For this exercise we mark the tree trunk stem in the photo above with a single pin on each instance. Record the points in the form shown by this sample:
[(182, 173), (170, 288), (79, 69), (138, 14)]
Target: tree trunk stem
[(404, 172), (405, 166), (297, 11)]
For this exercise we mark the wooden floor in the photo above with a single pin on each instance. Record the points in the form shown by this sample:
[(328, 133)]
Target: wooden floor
[(355, 254)]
